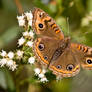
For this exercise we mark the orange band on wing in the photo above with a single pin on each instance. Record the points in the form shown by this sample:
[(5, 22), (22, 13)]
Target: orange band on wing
[(54, 25), (62, 71), (48, 19), (57, 31), (39, 54), (79, 47), (90, 65), (85, 49)]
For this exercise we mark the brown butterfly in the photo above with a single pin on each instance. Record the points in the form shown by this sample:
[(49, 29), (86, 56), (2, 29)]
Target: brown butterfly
[(55, 51)]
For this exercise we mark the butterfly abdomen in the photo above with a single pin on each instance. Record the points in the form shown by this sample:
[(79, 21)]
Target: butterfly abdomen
[(64, 44)]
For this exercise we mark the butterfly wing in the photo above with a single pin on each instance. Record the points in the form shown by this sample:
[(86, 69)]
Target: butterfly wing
[(44, 25), (66, 65), (44, 49), (84, 55)]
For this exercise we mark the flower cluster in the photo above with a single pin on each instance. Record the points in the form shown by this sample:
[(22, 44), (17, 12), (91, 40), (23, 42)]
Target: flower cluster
[(86, 20), (27, 40), (41, 74), (19, 54), (28, 35), (31, 60), (7, 59), (26, 16)]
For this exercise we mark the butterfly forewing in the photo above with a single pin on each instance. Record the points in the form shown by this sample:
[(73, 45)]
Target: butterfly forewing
[(44, 49), (44, 25)]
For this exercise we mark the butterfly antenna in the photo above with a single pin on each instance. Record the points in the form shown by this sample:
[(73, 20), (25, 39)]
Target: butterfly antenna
[(68, 26)]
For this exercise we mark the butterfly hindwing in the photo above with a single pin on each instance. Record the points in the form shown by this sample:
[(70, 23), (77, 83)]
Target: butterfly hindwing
[(84, 55), (66, 65)]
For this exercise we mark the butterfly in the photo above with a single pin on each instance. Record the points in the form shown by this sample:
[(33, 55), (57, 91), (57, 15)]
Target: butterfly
[(55, 51)]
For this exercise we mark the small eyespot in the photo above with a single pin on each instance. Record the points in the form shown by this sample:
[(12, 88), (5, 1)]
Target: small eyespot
[(45, 57), (40, 25), (41, 47), (41, 14), (58, 66), (70, 67), (89, 61)]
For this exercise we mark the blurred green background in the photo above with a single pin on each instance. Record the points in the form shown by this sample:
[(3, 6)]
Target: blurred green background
[(75, 19)]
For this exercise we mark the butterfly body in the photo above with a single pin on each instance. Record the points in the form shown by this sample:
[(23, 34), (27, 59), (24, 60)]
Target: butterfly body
[(55, 51)]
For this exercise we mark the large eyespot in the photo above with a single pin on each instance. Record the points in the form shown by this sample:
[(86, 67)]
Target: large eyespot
[(58, 66), (40, 25), (45, 57), (89, 61), (41, 47), (70, 67)]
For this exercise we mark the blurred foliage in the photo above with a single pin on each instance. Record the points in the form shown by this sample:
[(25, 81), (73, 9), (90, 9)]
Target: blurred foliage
[(75, 13)]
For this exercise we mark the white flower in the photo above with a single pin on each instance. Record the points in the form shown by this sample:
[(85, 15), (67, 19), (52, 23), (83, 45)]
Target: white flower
[(3, 53), (37, 71), (9, 63), (21, 41), (30, 22), (43, 71), (31, 60), (41, 75), (25, 34), (20, 53), (14, 66), (21, 20), (10, 55), (29, 15), (31, 34), (44, 80), (29, 18), (3, 62), (28, 34), (30, 43)]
